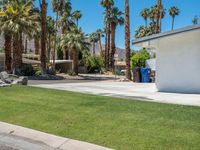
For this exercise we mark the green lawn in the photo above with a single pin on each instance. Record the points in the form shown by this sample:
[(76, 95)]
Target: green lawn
[(112, 122)]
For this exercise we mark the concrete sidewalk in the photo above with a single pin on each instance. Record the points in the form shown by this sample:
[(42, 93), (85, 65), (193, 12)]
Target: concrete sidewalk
[(130, 90), (14, 137)]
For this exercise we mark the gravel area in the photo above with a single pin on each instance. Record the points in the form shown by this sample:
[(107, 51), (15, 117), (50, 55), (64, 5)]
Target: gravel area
[(5, 147)]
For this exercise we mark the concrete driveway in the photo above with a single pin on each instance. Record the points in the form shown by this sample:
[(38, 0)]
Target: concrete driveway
[(130, 90)]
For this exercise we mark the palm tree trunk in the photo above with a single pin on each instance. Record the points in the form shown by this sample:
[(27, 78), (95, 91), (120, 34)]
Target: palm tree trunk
[(77, 23), (100, 45), (8, 57), (160, 29), (173, 18), (113, 48), (93, 48), (161, 12), (17, 55), (158, 16), (127, 39), (108, 50), (37, 46), (49, 48), (75, 61), (43, 37), (54, 50), (146, 23), (21, 42), (26, 46)]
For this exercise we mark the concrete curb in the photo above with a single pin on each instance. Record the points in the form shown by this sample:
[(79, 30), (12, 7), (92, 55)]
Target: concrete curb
[(50, 140)]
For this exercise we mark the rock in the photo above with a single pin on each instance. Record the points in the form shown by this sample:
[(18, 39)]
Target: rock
[(21, 81), (3, 84), (4, 76), (12, 79), (123, 80)]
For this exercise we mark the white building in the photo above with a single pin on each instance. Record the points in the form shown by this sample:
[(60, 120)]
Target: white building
[(177, 59)]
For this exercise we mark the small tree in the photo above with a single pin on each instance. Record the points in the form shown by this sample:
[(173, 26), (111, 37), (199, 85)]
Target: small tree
[(139, 58)]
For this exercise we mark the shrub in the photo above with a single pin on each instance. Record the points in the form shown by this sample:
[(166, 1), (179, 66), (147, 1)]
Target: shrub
[(72, 73), (27, 70), (38, 73), (93, 63), (139, 58)]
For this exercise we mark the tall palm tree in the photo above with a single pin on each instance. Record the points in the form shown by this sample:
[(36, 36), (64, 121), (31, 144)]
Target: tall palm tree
[(127, 39), (37, 38), (93, 38), (50, 33), (114, 20), (107, 4), (173, 12), (157, 7), (145, 14), (43, 7), (77, 15), (100, 34), (7, 43), (66, 23), (74, 40), (59, 7), (17, 18), (162, 15), (152, 17)]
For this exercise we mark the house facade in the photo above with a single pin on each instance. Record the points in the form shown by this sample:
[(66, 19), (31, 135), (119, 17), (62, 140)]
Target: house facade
[(177, 59)]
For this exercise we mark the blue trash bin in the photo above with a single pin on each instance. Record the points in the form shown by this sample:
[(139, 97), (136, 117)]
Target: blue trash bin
[(146, 74)]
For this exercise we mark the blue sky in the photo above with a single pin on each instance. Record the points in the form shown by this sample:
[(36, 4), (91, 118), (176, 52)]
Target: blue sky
[(93, 14)]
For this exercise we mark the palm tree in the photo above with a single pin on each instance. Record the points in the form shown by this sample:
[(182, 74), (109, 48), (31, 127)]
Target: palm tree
[(7, 43), (66, 23), (50, 33), (17, 19), (162, 15), (145, 14), (127, 39), (152, 16), (100, 34), (158, 11), (43, 7), (93, 38), (114, 20), (59, 7), (77, 15), (107, 5), (37, 38), (173, 12), (74, 40)]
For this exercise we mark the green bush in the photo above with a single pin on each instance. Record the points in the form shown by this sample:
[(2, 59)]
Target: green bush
[(93, 63), (139, 58), (38, 73)]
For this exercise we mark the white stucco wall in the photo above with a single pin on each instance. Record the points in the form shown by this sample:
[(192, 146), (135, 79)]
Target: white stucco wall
[(178, 63)]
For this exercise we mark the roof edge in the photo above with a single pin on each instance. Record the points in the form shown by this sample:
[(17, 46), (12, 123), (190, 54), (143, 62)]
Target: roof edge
[(164, 34)]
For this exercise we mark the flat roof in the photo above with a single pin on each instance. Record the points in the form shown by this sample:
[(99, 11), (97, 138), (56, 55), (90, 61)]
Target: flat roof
[(164, 34)]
